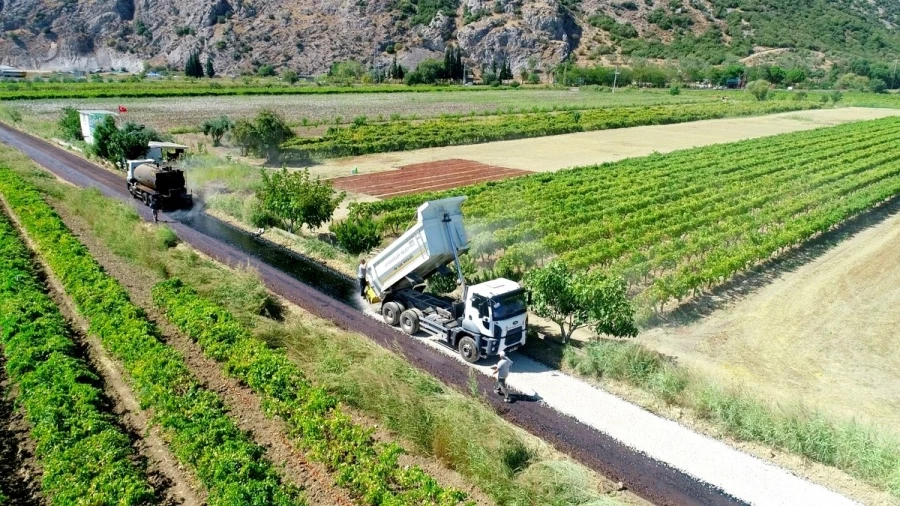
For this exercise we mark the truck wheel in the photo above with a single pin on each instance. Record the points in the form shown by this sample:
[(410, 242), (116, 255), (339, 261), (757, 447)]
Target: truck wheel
[(391, 313), (467, 350), (409, 322)]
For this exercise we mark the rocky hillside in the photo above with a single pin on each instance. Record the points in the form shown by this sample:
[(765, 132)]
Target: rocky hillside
[(308, 35)]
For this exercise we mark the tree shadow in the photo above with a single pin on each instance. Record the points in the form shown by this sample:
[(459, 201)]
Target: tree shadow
[(746, 283)]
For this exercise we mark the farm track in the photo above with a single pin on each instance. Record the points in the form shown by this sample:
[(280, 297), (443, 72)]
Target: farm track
[(424, 177), (644, 476)]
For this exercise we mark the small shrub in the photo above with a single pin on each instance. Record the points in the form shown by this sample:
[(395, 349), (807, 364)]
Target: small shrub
[(674, 90), (357, 235), (266, 71), (759, 89), (70, 124)]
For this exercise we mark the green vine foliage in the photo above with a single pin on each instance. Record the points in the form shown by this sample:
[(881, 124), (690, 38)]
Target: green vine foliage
[(193, 419), (86, 458), (404, 135), (674, 225), (370, 470)]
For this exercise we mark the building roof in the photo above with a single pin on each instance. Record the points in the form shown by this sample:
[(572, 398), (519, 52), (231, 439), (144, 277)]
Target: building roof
[(156, 144), (7, 67), (96, 111)]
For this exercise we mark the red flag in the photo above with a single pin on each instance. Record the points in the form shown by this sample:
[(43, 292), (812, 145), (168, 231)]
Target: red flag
[(122, 108)]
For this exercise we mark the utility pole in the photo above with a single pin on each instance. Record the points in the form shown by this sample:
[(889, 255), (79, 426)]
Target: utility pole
[(615, 78), (565, 58), (374, 59), (894, 76)]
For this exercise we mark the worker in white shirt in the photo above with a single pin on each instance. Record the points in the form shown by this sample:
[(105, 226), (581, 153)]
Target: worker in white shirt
[(361, 277), (501, 372)]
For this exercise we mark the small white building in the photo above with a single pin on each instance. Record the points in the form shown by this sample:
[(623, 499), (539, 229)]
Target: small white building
[(162, 152), (11, 72), (89, 121)]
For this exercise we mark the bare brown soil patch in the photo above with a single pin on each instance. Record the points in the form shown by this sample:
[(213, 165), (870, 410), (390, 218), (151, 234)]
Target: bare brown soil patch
[(425, 177), (19, 473)]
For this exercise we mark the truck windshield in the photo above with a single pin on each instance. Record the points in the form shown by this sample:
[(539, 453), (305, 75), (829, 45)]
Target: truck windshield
[(508, 306)]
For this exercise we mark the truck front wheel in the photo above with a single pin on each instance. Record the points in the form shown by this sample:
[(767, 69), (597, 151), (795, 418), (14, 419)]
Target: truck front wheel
[(467, 350), (391, 313), (409, 322)]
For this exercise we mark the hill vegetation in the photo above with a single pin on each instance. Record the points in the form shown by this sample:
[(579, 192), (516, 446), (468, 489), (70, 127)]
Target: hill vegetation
[(531, 38)]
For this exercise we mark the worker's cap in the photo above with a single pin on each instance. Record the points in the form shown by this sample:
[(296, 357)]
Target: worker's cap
[(502, 354)]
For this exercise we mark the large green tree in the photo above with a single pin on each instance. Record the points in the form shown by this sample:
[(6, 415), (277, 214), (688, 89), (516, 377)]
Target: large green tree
[(576, 299), (118, 145), (263, 136), (193, 67)]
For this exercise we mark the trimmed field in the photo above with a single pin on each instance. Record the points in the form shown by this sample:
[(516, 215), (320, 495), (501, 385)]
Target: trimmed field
[(675, 225), (425, 177), (821, 328)]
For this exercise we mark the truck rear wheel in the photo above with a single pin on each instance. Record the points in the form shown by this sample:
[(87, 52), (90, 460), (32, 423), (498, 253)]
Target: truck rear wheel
[(391, 313), (467, 350), (409, 322)]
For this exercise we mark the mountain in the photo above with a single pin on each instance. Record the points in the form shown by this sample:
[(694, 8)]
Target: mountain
[(309, 35)]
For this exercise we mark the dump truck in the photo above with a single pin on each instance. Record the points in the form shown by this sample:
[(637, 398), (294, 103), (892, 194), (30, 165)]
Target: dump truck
[(487, 318), (147, 181)]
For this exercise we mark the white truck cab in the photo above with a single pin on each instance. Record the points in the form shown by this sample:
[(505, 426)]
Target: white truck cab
[(497, 309), (488, 318)]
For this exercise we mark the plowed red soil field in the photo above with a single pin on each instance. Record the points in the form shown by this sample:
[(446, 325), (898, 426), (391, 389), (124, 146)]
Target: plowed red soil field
[(424, 177)]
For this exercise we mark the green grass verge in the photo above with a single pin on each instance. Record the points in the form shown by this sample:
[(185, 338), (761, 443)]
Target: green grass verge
[(860, 451), (200, 434), (370, 470), (85, 457)]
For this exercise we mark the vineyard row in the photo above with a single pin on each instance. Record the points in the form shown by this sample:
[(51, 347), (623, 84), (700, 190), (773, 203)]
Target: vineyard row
[(85, 456), (369, 469), (194, 421), (673, 224), (45, 91)]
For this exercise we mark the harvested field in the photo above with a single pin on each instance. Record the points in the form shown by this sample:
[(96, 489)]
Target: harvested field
[(423, 177)]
